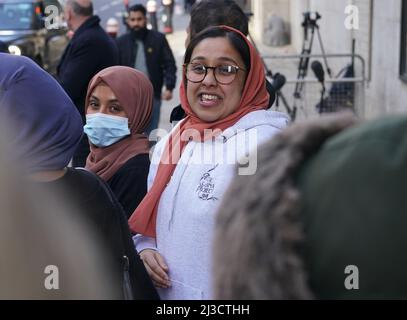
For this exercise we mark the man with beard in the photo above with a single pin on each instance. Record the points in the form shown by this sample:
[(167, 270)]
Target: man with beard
[(148, 51)]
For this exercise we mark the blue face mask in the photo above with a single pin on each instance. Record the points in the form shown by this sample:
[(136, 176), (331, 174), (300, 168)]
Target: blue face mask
[(103, 130)]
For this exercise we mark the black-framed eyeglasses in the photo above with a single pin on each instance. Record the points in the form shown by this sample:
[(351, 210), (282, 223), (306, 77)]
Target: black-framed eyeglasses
[(224, 74)]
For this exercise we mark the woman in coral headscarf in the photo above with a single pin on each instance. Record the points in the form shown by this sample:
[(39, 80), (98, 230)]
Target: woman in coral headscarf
[(224, 96), (118, 109)]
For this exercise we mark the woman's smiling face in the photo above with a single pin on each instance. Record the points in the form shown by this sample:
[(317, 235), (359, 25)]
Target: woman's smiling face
[(210, 100)]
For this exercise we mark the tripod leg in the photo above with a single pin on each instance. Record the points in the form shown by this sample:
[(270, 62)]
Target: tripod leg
[(291, 111), (304, 62), (321, 107), (323, 53)]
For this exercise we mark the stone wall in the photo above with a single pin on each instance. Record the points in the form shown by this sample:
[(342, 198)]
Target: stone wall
[(377, 41)]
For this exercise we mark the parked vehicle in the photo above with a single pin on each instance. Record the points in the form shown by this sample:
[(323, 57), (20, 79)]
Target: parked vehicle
[(34, 28)]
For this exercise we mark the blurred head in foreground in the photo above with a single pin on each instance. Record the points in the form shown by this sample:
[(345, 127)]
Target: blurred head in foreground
[(323, 217), (47, 252)]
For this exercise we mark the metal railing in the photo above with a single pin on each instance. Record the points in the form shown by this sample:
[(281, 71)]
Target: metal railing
[(309, 97)]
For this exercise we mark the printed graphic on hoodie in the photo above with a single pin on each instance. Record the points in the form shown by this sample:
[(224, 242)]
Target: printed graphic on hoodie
[(206, 186)]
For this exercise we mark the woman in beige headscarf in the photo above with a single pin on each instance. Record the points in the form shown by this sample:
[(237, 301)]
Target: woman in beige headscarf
[(118, 109)]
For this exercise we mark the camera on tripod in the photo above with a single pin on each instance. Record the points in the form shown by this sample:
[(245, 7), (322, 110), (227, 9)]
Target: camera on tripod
[(310, 26), (310, 18)]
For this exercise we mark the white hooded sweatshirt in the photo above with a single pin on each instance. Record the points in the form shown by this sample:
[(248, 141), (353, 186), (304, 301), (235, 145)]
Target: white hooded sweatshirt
[(187, 208)]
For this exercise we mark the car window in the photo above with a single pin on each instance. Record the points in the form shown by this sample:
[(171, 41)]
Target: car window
[(16, 16)]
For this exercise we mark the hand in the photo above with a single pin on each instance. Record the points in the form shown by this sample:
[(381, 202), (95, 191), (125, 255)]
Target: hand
[(167, 95), (156, 268)]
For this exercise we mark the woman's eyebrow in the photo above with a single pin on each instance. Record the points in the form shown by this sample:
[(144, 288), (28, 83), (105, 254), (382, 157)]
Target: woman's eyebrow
[(198, 58), (227, 59), (97, 99)]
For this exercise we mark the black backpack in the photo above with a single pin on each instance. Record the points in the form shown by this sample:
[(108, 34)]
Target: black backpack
[(341, 95)]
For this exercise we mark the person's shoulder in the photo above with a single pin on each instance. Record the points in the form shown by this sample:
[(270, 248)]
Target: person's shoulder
[(13, 67), (123, 37), (156, 35), (85, 188), (83, 178), (138, 160), (95, 33), (138, 163), (260, 118), (133, 172), (177, 114), (93, 42), (91, 187)]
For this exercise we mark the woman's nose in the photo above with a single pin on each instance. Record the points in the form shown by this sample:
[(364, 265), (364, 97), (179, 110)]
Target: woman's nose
[(103, 109), (210, 79)]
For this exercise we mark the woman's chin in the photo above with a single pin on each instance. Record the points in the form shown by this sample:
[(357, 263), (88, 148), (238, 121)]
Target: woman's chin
[(208, 117), (207, 114)]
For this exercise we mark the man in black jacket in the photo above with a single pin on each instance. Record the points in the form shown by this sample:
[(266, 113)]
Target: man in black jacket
[(89, 51), (149, 52)]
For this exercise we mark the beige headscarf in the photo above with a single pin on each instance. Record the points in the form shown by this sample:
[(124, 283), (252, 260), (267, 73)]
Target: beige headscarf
[(135, 93)]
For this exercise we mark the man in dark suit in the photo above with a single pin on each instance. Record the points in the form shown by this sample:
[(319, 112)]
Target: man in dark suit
[(89, 51), (148, 51)]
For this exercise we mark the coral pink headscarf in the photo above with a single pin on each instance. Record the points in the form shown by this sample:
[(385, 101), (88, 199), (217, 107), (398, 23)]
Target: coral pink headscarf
[(254, 97), (135, 94)]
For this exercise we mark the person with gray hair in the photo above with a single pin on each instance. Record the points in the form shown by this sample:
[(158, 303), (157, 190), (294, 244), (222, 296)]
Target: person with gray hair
[(77, 12), (90, 50)]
